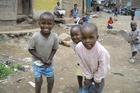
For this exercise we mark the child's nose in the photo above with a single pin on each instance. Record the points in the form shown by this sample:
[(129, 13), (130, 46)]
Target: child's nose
[(87, 40)]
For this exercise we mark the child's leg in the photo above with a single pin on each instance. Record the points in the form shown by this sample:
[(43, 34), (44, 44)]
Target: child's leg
[(50, 84), (134, 53), (80, 80), (38, 78), (38, 83), (49, 73)]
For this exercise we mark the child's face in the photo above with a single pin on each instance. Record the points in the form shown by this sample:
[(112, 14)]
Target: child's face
[(46, 26), (58, 4), (76, 35), (134, 27), (75, 6), (89, 38)]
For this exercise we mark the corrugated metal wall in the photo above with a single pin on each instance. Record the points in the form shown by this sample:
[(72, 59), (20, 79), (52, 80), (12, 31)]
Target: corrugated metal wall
[(44, 5), (135, 3)]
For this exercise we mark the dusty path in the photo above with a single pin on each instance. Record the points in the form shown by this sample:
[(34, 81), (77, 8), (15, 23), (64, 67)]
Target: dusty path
[(65, 61)]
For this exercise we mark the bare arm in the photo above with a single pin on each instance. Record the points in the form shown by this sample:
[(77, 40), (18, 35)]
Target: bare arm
[(64, 43), (51, 56), (34, 53)]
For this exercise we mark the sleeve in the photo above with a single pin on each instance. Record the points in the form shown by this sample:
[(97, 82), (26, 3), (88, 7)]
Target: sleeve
[(138, 35), (31, 44), (85, 71), (103, 67), (108, 22), (129, 34), (56, 42)]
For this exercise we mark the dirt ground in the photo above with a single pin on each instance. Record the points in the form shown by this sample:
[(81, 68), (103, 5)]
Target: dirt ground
[(65, 62)]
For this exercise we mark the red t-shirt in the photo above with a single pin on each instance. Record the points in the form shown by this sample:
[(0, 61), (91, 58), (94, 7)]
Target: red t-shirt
[(110, 21)]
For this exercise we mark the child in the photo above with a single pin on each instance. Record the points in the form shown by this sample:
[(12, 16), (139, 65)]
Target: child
[(93, 59), (135, 43), (75, 33), (110, 23), (75, 11), (43, 46), (58, 11)]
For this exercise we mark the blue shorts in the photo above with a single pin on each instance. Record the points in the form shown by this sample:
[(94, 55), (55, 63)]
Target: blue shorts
[(46, 71), (90, 88)]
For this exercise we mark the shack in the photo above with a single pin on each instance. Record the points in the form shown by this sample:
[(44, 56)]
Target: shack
[(11, 10)]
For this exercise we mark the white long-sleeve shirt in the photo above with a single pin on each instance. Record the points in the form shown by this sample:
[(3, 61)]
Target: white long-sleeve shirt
[(95, 62)]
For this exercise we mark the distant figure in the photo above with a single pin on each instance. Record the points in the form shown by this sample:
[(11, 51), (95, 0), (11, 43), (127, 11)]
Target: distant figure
[(98, 9), (58, 11), (134, 34), (75, 11), (132, 14), (116, 11), (110, 23), (94, 59)]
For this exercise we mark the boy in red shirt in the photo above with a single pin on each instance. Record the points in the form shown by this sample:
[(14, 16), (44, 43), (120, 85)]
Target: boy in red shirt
[(110, 23)]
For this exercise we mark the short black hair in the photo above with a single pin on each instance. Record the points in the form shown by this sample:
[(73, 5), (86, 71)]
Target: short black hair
[(58, 3), (90, 25), (75, 26), (133, 23), (46, 15)]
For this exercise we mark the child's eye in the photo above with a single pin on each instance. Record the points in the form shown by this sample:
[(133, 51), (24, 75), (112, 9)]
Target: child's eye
[(92, 37), (84, 38)]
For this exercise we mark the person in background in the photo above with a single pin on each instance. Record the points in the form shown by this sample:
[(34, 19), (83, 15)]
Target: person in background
[(110, 23), (132, 14), (134, 34), (58, 11)]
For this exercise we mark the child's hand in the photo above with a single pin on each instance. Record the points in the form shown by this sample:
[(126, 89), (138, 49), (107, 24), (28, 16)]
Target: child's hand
[(48, 62), (61, 42), (87, 81), (43, 60), (98, 85)]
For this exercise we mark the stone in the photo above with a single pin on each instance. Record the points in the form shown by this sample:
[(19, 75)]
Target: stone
[(31, 83), (27, 59), (20, 79), (64, 37)]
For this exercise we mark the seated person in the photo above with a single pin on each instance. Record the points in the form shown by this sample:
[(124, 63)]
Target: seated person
[(58, 11), (74, 12), (110, 23)]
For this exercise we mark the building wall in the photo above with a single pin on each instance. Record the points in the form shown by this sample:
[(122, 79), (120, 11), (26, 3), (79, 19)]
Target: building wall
[(44, 5), (41, 6), (135, 3)]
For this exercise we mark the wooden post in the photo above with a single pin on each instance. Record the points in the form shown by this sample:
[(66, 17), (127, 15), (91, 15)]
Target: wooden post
[(83, 8)]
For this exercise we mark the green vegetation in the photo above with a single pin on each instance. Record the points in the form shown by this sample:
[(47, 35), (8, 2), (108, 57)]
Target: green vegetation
[(2, 38), (4, 71), (19, 67)]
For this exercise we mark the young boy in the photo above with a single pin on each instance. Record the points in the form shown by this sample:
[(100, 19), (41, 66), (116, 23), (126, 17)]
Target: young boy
[(93, 59), (43, 46), (110, 23), (75, 33), (135, 41)]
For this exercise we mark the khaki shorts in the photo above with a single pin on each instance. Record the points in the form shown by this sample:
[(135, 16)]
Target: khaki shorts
[(79, 71)]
